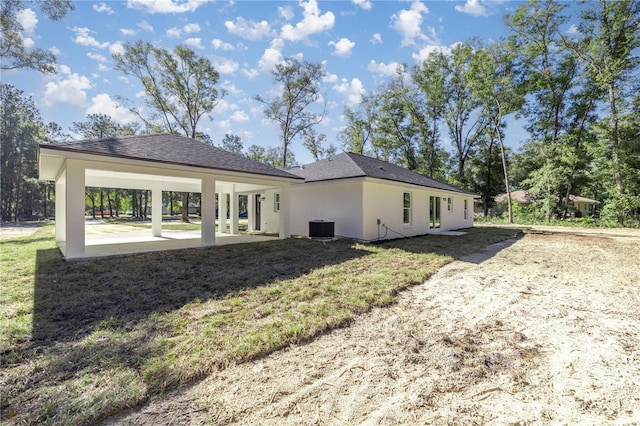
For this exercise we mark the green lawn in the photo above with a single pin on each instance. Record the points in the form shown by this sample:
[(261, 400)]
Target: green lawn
[(81, 341)]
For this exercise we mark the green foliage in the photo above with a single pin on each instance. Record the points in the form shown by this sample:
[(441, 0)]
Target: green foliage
[(300, 83), (180, 87), (23, 196), (13, 52)]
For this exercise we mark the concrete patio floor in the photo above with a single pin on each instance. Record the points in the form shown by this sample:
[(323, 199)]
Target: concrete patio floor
[(113, 240)]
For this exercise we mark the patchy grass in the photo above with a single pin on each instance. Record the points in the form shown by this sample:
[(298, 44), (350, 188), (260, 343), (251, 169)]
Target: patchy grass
[(81, 341)]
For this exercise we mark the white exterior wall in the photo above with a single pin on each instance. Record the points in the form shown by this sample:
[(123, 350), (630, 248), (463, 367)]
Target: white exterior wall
[(338, 201), (269, 218), (384, 201), (356, 205)]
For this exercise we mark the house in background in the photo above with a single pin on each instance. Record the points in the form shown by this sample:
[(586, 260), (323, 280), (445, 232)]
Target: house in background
[(583, 206), (369, 199), (578, 206)]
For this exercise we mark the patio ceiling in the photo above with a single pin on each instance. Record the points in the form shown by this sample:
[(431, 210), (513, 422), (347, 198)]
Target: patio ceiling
[(133, 180)]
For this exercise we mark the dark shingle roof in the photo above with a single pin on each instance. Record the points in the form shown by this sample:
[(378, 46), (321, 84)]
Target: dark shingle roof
[(170, 149), (350, 165)]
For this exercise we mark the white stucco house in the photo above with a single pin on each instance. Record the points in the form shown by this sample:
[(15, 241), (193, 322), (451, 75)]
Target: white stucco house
[(369, 199), (160, 163), (364, 199)]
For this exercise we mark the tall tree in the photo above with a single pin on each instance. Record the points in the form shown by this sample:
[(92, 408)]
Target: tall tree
[(550, 74), (101, 126), (359, 128), (609, 38), (442, 80), (300, 85), (232, 143), (13, 51), (490, 78), (180, 88), (21, 131)]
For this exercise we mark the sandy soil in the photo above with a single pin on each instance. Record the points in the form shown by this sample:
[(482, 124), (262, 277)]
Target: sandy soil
[(544, 329)]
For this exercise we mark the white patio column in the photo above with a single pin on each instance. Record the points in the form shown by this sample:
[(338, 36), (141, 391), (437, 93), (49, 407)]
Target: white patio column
[(208, 211), (222, 212), (233, 209), (61, 208), (156, 209), (251, 206), (285, 210), (74, 209)]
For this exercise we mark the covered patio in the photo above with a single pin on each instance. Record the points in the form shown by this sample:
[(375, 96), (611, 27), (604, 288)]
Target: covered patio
[(159, 163)]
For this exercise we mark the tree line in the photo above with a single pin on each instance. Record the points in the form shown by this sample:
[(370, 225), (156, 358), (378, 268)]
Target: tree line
[(577, 88)]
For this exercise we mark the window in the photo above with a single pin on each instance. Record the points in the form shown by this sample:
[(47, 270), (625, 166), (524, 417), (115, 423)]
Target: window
[(466, 209), (449, 204), (406, 208), (434, 212), (276, 203)]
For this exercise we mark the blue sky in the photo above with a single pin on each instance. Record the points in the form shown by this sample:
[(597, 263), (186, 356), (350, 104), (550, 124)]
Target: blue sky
[(360, 43)]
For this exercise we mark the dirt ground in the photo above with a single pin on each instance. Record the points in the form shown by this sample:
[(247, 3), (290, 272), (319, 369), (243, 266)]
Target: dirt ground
[(543, 329)]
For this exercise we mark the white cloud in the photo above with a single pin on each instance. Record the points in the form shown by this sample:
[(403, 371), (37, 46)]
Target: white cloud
[(221, 45), (249, 30), (97, 57), (312, 23), (191, 28), (28, 42), (116, 48), (343, 47), (364, 4), (27, 19), (103, 68), (67, 88), (271, 56), (424, 53), (230, 87), (103, 8), (352, 90), (286, 12), (239, 117), (408, 22), (174, 32), (224, 65), (103, 104), (145, 26), (473, 8), (250, 74), (195, 43), (573, 30), (166, 6), (127, 32), (84, 38), (329, 78), (382, 68), (376, 38), (55, 50)]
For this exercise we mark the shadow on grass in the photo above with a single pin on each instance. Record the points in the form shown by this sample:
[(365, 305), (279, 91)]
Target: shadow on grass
[(72, 299), (470, 247)]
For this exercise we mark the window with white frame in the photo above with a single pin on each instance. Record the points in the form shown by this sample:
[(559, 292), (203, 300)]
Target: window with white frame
[(406, 208), (276, 203), (466, 209), (449, 204)]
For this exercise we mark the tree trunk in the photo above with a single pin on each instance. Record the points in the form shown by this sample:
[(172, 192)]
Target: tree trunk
[(506, 172), (616, 147), (185, 207), (101, 205)]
